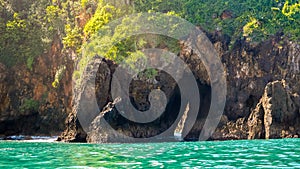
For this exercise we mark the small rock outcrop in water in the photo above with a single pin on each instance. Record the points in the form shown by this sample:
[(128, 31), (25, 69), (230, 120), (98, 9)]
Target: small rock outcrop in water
[(277, 113)]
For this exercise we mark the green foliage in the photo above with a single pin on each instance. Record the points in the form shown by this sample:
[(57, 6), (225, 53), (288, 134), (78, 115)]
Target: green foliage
[(149, 73), (135, 61), (23, 31), (115, 42), (250, 26), (73, 38), (84, 3), (164, 6), (14, 32), (101, 17), (58, 76), (30, 105), (256, 20), (291, 11), (27, 28), (29, 63)]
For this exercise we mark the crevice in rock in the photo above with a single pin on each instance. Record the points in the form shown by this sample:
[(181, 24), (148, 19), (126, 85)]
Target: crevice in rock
[(205, 102)]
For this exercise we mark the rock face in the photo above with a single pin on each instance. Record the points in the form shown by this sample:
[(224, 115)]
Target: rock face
[(262, 96), (249, 69), (106, 123), (276, 115), (100, 133), (231, 130), (29, 104), (84, 93)]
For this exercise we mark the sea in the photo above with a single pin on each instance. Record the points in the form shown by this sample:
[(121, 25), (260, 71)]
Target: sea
[(281, 153)]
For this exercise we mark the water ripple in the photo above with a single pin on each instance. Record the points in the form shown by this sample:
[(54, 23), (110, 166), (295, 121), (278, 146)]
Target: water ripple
[(228, 154)]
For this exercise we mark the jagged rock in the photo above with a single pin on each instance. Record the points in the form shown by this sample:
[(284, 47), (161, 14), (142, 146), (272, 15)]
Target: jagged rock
[(110, 127), (276, 115), (249, 68), (84, 94), (79, 125), (231, 131), (73, 131), (100, 130), (255, 122)]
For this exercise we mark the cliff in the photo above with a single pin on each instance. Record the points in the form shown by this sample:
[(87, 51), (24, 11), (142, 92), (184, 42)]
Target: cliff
[(259, 51), (262, 96), (29, 103)]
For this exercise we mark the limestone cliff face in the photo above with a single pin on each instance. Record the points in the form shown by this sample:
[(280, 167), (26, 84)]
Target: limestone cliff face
[(29, 104), (263, 87), (249, 69), (259, 102)]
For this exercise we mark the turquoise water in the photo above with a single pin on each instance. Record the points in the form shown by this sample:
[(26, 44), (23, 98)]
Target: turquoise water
[(243, 153)]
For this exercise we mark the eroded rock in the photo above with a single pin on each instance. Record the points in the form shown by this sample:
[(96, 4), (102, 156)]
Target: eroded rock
[(254, 107), (276, 115)]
